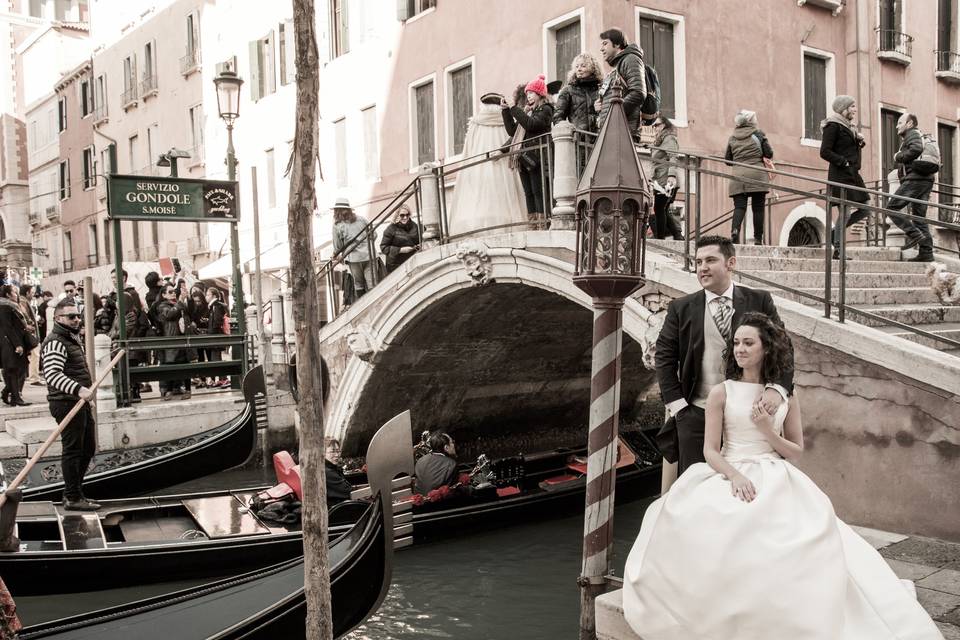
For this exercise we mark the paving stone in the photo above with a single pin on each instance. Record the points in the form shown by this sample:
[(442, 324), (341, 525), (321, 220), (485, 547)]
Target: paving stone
[(925, 551), (949, 631), (937, 603), (911, 571), (946, 580), (877, 538), (952, 618)]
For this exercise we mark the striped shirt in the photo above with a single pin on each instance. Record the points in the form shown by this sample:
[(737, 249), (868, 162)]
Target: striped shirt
[(54, 356)]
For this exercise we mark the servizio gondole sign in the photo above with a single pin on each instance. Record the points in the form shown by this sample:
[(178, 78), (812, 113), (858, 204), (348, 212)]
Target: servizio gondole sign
[(174, 199)]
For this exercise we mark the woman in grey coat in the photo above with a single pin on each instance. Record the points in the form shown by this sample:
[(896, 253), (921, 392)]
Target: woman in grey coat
[(748, 145), (662, 156)]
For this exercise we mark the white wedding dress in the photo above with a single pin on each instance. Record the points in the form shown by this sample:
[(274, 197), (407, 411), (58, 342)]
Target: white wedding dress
[(708, 566)]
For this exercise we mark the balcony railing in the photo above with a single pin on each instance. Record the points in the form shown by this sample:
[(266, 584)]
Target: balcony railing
[(129, 97), (948, 65), (835, 6), (190, 62), (53, 211), (68, 265), (894, 46), (34, 217), (149, 86)]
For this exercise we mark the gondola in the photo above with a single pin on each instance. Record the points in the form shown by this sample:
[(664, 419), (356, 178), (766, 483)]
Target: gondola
[(167, 538), (268, 603), (140, 470)]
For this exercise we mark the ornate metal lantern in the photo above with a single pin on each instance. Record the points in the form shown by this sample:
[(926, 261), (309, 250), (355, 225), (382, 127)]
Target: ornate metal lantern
[(613, 203)]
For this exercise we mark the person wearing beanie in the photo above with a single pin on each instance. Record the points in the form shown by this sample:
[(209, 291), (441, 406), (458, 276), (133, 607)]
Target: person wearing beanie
[(748, 146), (628, 73), (914, 183), (529, 127), (842, 145)]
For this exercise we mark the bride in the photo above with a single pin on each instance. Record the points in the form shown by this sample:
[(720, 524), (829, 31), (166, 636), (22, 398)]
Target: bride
[(745, 546)]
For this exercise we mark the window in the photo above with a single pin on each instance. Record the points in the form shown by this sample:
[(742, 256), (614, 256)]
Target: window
[(818, 91), (340, 140), (371, 151), (406, 9), (155, 235), (36, 8), (947, 26), (129, 79), (947, 139), (106, 240), (105, 161), (271, 179), (152, 138), (656, 40), (891, 18), (288, 52), (889, 143), (67, 251), (89, 169), (135, 232), (340, 28), (562, 42), (94, 255), (62, 114), (133, 149), (86, 98), (64, 179), (195, 116), (149, 67), (100, 97), (263, 73), (459, 91), (191, 59), (423, 123)]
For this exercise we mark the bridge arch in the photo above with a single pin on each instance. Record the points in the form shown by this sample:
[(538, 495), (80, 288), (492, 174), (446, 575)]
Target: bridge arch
[(505, 360)]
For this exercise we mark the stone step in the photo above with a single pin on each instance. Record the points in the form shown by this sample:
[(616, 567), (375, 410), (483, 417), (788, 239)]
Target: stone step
[(769, 263), (10, 447), (55, 450), (865, 296), (809, 279), (857, 253), (950, 330), (31, 430), (911, 314)]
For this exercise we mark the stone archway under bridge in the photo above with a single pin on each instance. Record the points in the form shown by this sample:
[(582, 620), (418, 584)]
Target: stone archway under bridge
[(488, 339)]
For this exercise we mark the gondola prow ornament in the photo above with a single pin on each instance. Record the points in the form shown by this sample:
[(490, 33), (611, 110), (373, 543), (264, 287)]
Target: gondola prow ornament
[(613, 202)]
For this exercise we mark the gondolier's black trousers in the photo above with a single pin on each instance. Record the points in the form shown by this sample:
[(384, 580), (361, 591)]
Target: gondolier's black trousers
[(79, 444)]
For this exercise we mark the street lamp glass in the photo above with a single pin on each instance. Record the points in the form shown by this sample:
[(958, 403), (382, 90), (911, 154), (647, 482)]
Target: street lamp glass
[(228, 85)]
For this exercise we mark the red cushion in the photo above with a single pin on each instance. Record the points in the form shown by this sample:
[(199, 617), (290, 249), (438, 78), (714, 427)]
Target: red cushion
[(288, 472), (508, 491), (579, 467), (560, 479)]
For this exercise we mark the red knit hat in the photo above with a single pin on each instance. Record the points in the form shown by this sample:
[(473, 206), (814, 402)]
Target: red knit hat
[(538, 86)]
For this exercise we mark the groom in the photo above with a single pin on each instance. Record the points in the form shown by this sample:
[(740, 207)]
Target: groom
[(690, 350)]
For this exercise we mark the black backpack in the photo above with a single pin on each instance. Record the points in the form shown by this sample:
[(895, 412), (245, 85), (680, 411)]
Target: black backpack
[(651, 104)]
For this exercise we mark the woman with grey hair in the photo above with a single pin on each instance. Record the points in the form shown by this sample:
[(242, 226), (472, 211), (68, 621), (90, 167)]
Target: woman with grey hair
[(748, 146)]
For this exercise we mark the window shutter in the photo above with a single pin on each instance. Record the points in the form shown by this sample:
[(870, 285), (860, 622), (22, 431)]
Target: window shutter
[(567, 48), (269, 70), (290, 49), (662, 61), (461, 82), (404, 10), (946, 138), (815, 95), (323, 31), (345, 26), (944, 26), (424, 101), (255, 70)]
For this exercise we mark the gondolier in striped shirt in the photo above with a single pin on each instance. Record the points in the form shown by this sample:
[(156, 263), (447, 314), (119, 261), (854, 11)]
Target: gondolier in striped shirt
[(68, 380)]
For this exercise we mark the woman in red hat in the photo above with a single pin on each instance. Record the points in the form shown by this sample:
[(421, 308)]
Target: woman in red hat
[(529, 125)]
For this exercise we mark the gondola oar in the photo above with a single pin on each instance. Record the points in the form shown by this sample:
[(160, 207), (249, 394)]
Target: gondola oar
[(60, 427)]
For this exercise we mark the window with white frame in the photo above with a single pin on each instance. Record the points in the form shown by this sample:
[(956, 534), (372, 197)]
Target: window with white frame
[(459, 90), (339, 28), (150, 67), (271, 163), (287, 51), (662, 36), (153, 138), (86, 98), (193, 36), (105, 161), (100, 97), (89, 168), (133, 153), (371, 145), (68, 251), (129, 79), (947, 139), (407, 9), (340, 142), (563, 41), (819, 88), (106, 240), (64, 179), (62, 113), (263, 71), (195, 120), (423, 122), (94, 256)]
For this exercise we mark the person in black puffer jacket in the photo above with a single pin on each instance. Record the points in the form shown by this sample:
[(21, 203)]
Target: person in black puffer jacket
[(575, 102), (628, 73), (526, 124), (401, 239)]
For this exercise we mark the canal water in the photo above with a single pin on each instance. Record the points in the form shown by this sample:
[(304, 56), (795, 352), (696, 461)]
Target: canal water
[(516, 582)]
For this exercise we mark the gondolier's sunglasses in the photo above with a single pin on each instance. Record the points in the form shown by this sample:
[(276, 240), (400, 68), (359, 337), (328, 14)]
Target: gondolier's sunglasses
[(70, 316)]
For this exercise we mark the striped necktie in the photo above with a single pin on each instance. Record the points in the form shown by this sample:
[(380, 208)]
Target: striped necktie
[(722, 315)]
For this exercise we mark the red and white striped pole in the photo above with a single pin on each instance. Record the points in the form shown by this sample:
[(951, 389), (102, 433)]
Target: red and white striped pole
[(602, 458)]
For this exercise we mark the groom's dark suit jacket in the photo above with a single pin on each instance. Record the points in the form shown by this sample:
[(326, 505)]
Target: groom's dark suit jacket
[(680, 345)]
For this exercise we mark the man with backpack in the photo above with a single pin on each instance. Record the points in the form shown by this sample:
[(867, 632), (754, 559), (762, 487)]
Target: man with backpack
[(630, 74), (918, 161)]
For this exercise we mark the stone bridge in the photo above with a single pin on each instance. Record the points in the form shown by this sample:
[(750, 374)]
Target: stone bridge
[(490, 340)]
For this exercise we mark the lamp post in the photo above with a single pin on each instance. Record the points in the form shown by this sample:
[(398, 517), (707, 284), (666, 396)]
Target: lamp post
[(228, 85), (612, 205)]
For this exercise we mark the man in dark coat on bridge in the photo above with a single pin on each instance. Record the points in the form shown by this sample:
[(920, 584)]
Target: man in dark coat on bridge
[(68, 380)]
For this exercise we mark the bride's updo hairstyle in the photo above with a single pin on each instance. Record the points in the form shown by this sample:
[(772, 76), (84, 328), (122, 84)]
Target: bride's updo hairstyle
[(776, 348)]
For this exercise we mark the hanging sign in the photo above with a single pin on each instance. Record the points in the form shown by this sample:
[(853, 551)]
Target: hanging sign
[(175, 199)]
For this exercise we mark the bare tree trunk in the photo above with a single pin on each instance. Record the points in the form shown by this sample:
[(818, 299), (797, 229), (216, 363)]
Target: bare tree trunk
[(306, 317)]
